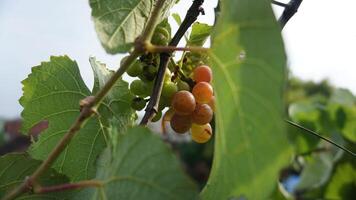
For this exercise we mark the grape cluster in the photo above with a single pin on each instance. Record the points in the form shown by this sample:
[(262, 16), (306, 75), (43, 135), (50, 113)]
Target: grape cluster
[(193, 110), (186, 91)]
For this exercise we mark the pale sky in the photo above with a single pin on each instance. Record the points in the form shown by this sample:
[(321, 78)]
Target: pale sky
[(320, 41)]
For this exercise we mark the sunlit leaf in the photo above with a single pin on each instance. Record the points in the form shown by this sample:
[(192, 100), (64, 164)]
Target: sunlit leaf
[(119, 22), (52, 93), (249, 68)]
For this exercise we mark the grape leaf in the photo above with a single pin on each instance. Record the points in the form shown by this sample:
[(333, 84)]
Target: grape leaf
[(135, 170), (343, 182), (200, 33), (177, 18), (119, 22), (116, 105), (249, 66), (15, 167), (52, 92)]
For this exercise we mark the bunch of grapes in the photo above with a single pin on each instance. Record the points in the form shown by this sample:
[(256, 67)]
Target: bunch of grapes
[(193, 110), (186, 92)]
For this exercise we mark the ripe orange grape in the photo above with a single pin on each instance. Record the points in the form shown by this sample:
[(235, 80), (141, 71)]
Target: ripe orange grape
[(202, 73), (183, 103), (181, 123), (203, 92), (201, 133), (202, 114), (212, 103)]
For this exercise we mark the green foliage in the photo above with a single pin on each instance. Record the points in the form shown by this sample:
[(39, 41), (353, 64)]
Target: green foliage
[(130, 171), (119, 22), (52, 92), (330, 112), (249, 73), (200, 33), (15, 167), (116, 105), (342, 184)]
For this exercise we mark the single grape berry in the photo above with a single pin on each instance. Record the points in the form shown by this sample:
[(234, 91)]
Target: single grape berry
[(149, 72), (137, 87), (201, 133), (138, 103), (181, 123), (183, 103), (157, 116), (135, 69), (167, 75), (160, 36), (202, 114), (212, 103), (183, 86), (202, 74), (168, 90), (203, 92)]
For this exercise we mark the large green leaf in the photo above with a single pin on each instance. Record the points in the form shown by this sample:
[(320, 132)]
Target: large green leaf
[(141, 167), (52, 92), (119, 22), (15, 167), (249, 68)]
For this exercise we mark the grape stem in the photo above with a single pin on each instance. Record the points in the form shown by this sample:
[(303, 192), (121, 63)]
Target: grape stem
[(170, 49), (68, 186), (191, 16), (89, 106), (289, 10)]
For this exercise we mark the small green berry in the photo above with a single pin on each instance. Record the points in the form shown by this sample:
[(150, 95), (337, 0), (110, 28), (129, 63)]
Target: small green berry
[(137, 87), (135, 69), (182, 85), (157, 116), (138, 103)]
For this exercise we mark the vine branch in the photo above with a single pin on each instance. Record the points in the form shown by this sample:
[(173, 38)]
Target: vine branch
[(89, 106), (289, 10), (68, 186), (191, 16)]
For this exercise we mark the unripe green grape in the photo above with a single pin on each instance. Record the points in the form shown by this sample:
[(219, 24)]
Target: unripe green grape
[(163, 31), (182, 85), (157, 116), (202, 74), (135, 69), (167, 75), (203, 92), (149, 72), (148, 87), (137, 87), (169, 89), (163, 103), (202, 114), (159, 39), (181, 123), (201, 133), (183, 103), (138, 103)]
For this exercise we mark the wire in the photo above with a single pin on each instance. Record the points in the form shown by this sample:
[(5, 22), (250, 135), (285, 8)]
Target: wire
[(319, 136)]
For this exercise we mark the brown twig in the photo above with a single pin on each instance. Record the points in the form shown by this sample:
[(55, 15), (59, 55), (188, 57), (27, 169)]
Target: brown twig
[(191, 16), (67, 186)]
